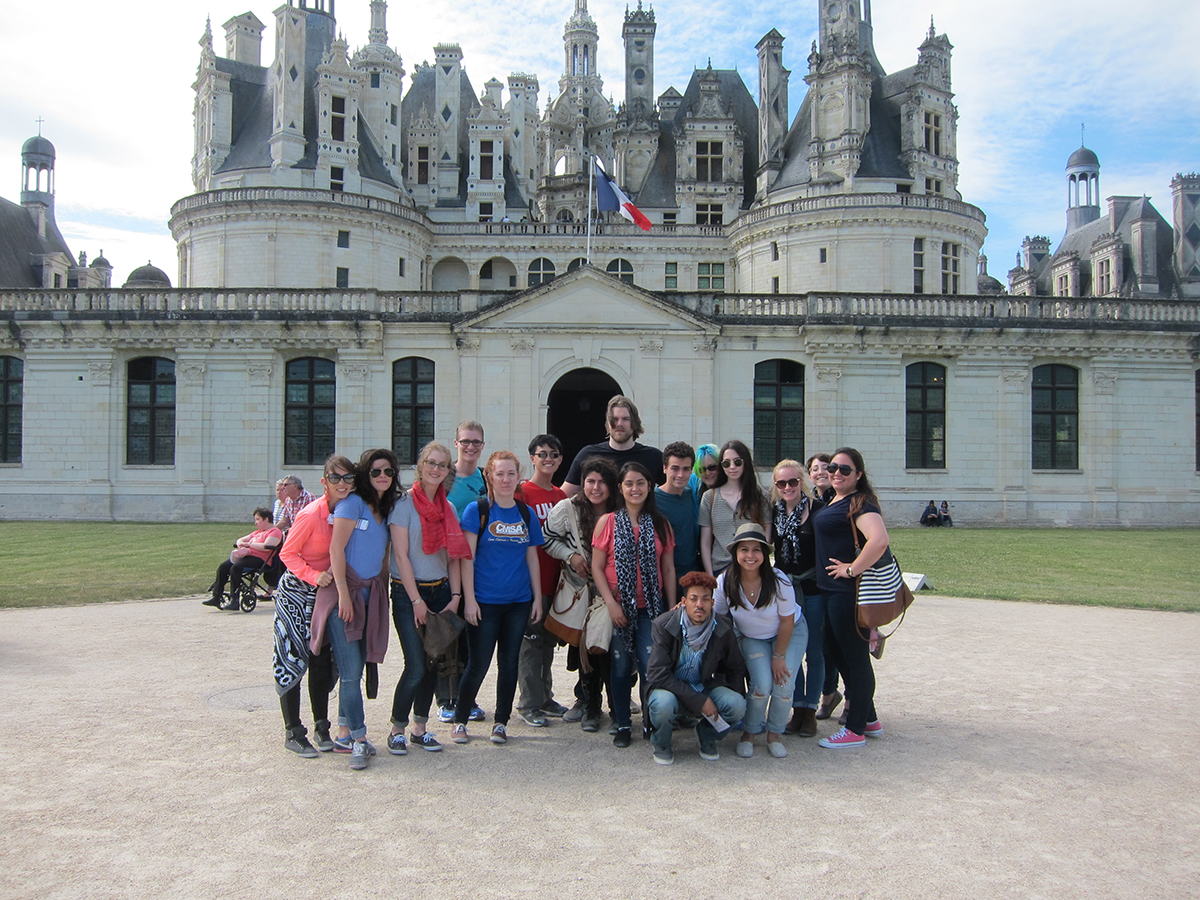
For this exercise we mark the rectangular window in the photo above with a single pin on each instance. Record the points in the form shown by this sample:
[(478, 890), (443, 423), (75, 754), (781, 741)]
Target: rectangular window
[(374, 79), (823, 254), (150, 417), (57, 280), (708, 160), (422, 165), (1104, 278), (933, 186), (669, 218), (709, 213), (486, 160), (925, 412), (400, 268), (774, 251), (918, 265), (671, 278), (393, 154), (337, 121), (343, 277), (395, 113), (485, 212), (933, 133), (12, 383), (412, 407), (950, 255), (337, 178), (309, 411), (1055, 428), (904, 189), (1063, 286), (710, 277), (778, 410), (343, 239), (774, 284)]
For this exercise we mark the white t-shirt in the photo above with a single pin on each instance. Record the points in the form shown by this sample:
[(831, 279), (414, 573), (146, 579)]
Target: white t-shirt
[(762, 624)]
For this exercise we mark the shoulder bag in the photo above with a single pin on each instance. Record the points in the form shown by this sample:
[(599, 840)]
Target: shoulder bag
[(881, 596)]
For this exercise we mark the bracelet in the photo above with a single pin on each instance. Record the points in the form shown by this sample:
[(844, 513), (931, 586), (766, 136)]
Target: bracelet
[(778, 656), (456, 594)]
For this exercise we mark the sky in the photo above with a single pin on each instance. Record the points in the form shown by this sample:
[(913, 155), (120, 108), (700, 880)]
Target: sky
[(113, 84)]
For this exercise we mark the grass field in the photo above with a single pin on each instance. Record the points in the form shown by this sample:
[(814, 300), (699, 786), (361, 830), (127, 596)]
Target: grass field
[(64, 563)]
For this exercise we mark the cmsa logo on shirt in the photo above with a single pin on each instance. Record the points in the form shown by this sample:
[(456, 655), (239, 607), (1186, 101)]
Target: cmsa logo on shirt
[(508, 530)]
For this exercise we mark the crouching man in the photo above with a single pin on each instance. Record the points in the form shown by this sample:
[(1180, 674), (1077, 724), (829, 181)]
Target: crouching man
[(694, 661)]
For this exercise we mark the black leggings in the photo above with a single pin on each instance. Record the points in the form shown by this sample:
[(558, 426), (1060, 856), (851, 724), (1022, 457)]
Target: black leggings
[(320, 682), (852, 657)]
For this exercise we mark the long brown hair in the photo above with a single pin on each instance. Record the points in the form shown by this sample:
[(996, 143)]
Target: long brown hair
[(733, 580), (381, 504), (864, 491), (752, 502), (661, 526), (603, 467)]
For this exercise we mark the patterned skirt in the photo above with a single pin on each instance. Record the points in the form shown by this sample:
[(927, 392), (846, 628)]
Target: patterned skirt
[(294, 600)]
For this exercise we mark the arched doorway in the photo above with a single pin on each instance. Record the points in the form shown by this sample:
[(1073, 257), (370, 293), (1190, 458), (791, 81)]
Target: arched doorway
[(575, 413)]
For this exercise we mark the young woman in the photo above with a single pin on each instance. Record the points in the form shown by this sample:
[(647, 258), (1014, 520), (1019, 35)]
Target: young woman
[(796, 557), (771, 633), (822, 492), (427, 544), (633, 565), (502, 589), (352, 611), (854, 507), (306, 556), (736, 500), (251, 551), (704, 471), (568, 538)]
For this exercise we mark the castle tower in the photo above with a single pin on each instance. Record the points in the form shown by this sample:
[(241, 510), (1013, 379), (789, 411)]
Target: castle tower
[(381, 79), (929, 122), (1083, 188), (213, 107), (338, 94), (522, 112), (772, 108), (243, 39), (638, 34), (580, 38), (1185, 203), (840, 76), (446, 112)]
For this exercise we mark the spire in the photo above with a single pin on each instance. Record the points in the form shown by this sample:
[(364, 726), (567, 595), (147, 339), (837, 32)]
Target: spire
[(378, 33), (932, 30)]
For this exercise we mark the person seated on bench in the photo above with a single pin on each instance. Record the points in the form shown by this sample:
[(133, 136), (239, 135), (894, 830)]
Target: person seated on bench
[(944, 515), (930, 516), (251, 551)]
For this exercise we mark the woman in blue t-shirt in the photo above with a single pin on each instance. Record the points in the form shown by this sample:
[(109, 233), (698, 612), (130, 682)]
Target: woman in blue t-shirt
[(501, 590), (358, 626), (854, 505)]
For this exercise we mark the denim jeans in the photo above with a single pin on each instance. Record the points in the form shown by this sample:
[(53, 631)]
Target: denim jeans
[(808, 688), (852, 657), (622, 666), (758, 653), (414, 690), (500, 630), (351, 657), (664, 712)]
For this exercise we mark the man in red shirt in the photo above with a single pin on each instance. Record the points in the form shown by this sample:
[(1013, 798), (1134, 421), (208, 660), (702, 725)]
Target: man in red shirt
[(534, 670)]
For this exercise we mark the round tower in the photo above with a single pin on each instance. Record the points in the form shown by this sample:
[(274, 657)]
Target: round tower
[(37, 172), (1083, 188)]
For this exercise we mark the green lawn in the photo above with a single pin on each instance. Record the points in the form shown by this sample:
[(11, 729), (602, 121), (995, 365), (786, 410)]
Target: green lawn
[(62, 563)]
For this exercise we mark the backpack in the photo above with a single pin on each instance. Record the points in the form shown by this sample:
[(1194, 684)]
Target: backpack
[(484, 507)]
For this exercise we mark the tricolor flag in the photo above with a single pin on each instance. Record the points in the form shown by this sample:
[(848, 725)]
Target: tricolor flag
[(609, 197)]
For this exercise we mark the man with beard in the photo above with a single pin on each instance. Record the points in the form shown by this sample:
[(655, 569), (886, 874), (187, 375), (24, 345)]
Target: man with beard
[(624, 427)]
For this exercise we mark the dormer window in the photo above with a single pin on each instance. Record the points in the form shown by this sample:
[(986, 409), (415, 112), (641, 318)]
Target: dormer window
[(708, 160), (933, 133), (486, 160), (337, 122)]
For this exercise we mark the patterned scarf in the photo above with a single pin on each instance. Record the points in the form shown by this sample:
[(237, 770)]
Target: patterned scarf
[(787, 528), (630, 557), (439, 524), (294, 601)]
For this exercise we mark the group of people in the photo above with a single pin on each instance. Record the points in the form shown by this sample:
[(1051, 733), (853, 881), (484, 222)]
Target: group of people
[(674, 546), (935, 516)]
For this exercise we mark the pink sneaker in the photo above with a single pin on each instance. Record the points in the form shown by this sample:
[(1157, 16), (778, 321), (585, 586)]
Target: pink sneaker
[(874, 729), (843, 739)]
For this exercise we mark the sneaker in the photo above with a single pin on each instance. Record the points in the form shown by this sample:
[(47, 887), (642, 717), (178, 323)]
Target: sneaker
[(829, 703), (371, 751), (343, 744), (623, 738), (663, 756), (843, 739), (874, 729), (298, 744), (499, 734), (709, 752), (477, 714), (397, 745), (446, 714), (360, 754), (459, 734), (323, 742), (426, 741), (553, 709), (532, 717), (590, 723), (574, 714), (745, 749)]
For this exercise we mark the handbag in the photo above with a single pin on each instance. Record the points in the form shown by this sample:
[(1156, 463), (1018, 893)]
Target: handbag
[(880, 594), (569, 609), (597, 628)]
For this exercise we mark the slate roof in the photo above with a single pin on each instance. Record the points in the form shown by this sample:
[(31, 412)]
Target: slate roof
[(19, 244), (423, 92)]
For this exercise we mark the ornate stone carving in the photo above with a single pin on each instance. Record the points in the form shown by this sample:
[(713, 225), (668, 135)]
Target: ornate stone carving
[(467, 345), (191, 371), (355, 373), (704, 346), (1105, 381), (828, 375), (650, 346), (1014, 379), (100, 373), (259, 373), (522, 346)]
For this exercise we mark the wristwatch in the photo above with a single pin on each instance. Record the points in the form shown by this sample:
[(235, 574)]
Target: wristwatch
[(849, 571)]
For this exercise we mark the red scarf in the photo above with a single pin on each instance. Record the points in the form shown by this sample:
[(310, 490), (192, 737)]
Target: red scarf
[(439, 524)]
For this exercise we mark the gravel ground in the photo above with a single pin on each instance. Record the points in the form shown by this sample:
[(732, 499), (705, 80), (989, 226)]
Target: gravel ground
[(1018, 761)]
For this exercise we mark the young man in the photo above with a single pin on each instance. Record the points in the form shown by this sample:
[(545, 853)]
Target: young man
[(624, 427), (536, 664), (693, 661), (677, 502), (468, 487)]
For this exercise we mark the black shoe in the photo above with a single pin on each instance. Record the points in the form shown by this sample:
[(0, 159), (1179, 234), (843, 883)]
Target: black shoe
[(298, 743), (232, 603), (623, 739), (324, 741), (591, 722), (212, 601)]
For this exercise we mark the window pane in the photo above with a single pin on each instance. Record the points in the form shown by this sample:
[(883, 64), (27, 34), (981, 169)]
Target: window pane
[(1065, 399), (323, 420), (403, 420), (15, 391), (296, 421), (425, 369), (424, 426), (764, 395), (402, 393), (935, 398), (297, 393), (139, 450), (425, 393), (1066, 430), (164, 450), (323, 369), (139, 421), (1041, 428), (791, 395), (297, 370), (914, 398), (139, 393), (324, 393), (1067, 457), (1041, 400), (912, 455), (164, 393), (1041, 455)]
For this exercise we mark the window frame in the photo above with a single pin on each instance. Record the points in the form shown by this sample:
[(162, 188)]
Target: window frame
[(951, 259), (709, 158), (929, 412), (623, 269), (12, 405), (158, 411), (710, 276), (774, 381), (417, 371), (318, 445), (1058, 417), (542, 275), (919, 265)]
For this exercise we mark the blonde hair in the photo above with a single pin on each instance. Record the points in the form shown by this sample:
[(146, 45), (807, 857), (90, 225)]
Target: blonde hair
[(434, 447), (787, 464), (490, 467)]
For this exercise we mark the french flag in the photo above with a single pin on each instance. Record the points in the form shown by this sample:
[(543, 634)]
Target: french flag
[(610, 198)]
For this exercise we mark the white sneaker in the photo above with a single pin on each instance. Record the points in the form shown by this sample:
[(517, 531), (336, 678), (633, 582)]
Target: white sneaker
[(359, 755)]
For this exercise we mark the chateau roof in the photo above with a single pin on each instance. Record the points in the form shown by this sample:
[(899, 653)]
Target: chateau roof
[(423, 92), (20, 244)]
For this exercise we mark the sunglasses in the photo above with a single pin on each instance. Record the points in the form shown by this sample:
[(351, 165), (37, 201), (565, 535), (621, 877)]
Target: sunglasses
[(548, 454), (469, 442), (789, 483), (844, 471), (389, 472), (730, 463), (334, 478), (713, 468)]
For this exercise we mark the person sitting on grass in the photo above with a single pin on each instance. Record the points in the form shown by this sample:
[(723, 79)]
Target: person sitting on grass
[(694, 664), (930, 518), (250, 551)]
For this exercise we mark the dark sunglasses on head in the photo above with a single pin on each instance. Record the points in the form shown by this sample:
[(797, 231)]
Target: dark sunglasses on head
[(730, 463), (389, 472), (788, 483), (846, 471), (334, 478)]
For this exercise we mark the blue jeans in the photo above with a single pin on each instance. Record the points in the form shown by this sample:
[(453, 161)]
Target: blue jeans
[(500, 630), (414, 690), (808, 688), (351, 657), (763, 688), (664, 711), (622, 665)]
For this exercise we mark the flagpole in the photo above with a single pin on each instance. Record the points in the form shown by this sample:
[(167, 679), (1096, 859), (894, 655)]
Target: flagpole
[(591, 178)]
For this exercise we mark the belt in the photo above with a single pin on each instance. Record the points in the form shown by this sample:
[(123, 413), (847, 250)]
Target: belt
[(423, 584)]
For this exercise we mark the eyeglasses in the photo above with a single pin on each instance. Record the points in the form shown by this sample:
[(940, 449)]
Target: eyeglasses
[(334, 478), (437, 466), (789, 483), (845, 471), (713, 468), (730, 463), (548, 454), (389, 472), (469, 442)]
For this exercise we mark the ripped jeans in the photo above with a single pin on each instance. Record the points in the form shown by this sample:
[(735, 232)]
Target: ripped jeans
[(763, 688)]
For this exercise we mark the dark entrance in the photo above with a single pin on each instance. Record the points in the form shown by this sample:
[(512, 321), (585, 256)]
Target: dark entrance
[(575, 413)]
